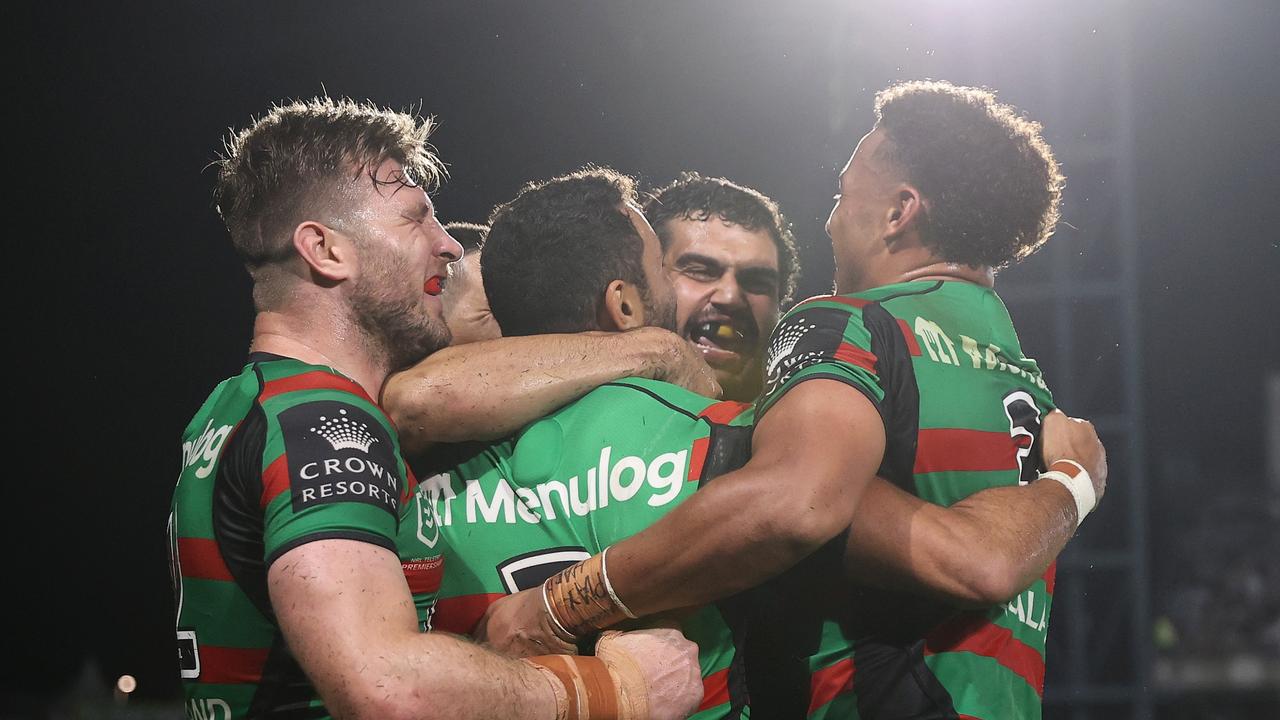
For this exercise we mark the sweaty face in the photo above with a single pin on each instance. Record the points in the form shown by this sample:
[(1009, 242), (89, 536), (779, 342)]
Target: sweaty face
[(857, 221), (659, 297), (726, 280), (466, 309), (403, 256)]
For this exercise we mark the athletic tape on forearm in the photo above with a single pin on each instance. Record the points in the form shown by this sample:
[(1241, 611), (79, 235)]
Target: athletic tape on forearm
[(581, 600), (1077, 481), (590, 690)]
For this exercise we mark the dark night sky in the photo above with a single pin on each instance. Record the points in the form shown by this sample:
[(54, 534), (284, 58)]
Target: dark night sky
[(138, 307)]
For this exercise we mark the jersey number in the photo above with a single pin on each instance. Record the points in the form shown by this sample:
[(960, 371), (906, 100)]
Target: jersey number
[(1024, 426)]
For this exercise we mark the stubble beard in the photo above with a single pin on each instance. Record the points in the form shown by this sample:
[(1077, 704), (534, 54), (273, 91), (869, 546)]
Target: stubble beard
[(398, 329)]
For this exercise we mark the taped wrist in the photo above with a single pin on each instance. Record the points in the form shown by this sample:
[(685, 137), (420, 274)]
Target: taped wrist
[(580, 599), (1076, 479), (586, 689)]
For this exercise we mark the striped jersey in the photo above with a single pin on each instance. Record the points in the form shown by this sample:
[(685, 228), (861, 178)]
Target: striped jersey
[(283, 454), (510, 514), (961, 407)]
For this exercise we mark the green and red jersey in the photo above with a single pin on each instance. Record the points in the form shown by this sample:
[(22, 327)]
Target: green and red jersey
[(961, 407), (512, 513), (283, 454)]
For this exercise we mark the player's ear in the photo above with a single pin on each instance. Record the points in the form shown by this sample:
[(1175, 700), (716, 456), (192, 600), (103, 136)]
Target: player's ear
[(329, 255), (622, 308), (905, 213)]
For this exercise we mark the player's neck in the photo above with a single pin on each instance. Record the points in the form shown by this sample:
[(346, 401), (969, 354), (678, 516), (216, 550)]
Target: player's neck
[(317, 341), (924, 270)]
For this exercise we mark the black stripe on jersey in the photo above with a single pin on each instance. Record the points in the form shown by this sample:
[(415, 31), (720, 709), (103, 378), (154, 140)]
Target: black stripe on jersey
[(892, 679), (655, 396), (900, 409), (283, 690), (237, 513), (729, 448)]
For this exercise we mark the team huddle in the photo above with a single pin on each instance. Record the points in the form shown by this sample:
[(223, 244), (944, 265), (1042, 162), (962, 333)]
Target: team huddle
[(588, 468)]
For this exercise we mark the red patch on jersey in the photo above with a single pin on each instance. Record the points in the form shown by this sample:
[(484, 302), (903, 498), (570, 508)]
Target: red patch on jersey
[(715, 690), (423, 575), (855, 355), (275, 479), (1051, 577), (974, 633), (229, 666), (958, 449), (830, 683), (460, 615), (698, 458), (314, 380), (723, 412), (910, 337), (200, 559)]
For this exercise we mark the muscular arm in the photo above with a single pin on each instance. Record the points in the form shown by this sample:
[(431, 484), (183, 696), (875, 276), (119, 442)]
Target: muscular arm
[(1008, 535), (488, 389), (812, 456), (982, 550), (348, 618)]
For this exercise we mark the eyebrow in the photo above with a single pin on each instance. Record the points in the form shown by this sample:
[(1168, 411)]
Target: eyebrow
[(755, 270)]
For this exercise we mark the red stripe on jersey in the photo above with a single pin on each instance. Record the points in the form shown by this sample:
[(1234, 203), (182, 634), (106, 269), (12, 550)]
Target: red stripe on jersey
[(698, 458), (275, 479), (314, 380), (724, 411), (830, 683), (851, 302), (461, 614), (715, 690), (1051, 577), (910, 337), (953, 449), (423, 575), (973, 633), (200, 559), (855, 355), (229, 666)]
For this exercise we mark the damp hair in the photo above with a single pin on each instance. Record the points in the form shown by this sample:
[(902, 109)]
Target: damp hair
[(693, 196), (991, 185), (553, 250)]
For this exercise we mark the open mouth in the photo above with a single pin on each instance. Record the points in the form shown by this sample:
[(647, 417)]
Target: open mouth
[(722, 340), (434, 285)]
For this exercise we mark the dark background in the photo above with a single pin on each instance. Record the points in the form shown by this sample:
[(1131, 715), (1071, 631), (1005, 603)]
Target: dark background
[(134, 306)]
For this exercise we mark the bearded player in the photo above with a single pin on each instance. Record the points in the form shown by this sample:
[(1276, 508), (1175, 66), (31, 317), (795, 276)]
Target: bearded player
[(913, 374), (291, 599), (732, 260)]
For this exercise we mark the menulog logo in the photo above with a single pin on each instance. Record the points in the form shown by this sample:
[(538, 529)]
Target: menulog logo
[(497, 501)]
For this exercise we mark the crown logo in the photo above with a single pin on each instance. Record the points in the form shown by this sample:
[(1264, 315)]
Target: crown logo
[(784, 343), (344, 433)]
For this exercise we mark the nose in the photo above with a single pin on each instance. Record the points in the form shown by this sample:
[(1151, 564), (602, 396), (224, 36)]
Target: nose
[(446, 247), (727, 292)]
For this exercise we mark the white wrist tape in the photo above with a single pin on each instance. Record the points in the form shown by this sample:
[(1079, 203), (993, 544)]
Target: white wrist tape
[(608, 586), (1077, 481)]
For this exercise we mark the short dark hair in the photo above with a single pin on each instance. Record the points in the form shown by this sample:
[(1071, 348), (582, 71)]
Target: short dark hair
[(989, 179), (469, 235), (289, 165), (692, 196), (553, 250)]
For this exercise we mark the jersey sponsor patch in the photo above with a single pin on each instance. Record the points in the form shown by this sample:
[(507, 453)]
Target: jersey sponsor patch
[(804, 338), (339, 453)]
